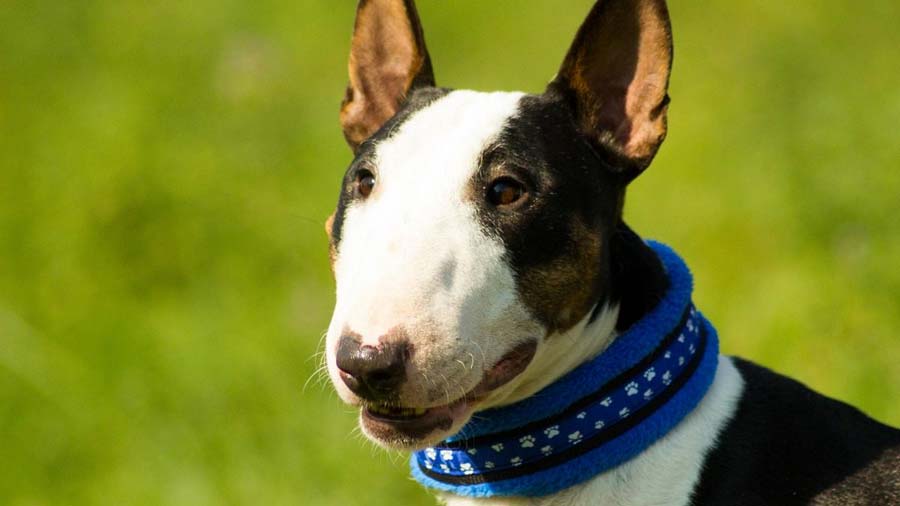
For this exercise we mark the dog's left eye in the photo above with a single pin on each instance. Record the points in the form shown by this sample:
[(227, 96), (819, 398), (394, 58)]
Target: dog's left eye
[(365, 182), (505, 191)]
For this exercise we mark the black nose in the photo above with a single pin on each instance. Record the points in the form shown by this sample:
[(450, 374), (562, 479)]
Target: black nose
[(374, 373)]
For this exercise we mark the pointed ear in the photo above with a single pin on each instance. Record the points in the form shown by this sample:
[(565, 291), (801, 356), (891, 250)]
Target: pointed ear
[(616, 74), (388, 58)]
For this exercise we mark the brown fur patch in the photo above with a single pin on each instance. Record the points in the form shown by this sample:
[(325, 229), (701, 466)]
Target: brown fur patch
[(332, 251), (563, 291)]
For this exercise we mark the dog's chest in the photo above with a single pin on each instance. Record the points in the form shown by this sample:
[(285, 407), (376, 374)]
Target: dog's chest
[(663, 475)]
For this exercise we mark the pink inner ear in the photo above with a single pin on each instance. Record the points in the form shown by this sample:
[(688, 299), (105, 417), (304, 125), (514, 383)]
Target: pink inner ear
[(618, 69), (387, 58)]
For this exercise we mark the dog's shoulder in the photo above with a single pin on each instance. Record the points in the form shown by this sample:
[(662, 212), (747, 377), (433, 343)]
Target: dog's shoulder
[(789, 445)]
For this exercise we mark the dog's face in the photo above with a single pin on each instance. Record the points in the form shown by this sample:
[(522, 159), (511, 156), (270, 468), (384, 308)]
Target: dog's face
[(472, 228)]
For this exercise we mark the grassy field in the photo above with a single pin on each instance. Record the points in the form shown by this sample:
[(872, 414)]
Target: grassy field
[(166, 168)]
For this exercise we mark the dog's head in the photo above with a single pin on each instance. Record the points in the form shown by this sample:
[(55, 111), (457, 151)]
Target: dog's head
[(471, 241)]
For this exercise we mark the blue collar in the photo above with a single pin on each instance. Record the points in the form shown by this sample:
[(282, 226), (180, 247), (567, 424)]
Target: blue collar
[(598, 416)]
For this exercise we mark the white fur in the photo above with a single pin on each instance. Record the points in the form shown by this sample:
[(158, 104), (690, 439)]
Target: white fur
[(413, 254), (664, 474), (557, 355)]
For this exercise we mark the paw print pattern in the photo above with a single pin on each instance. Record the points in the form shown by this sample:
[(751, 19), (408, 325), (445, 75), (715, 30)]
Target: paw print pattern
[(692, 349), (648, 393), (624, 412), (445, 468), (551, 432), (631, 388), (547, 450), (516, 461), (649, 374), (599, 424), (575, 437), (472, 451), (681, 338), (606, 402), (526, 441), (497, 447), (466, 468), (668, 354), (680, 360), (488, 465), (430, 453), (581, 415), (667, 377), (446, 454)]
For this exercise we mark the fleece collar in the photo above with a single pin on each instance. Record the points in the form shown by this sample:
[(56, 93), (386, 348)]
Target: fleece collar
[(598, 416)]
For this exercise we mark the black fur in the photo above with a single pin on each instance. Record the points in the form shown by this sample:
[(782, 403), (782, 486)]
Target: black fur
[(788, 445), (567, 179)]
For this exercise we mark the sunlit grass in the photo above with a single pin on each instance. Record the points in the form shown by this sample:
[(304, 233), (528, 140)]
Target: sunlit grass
[(165, 173)]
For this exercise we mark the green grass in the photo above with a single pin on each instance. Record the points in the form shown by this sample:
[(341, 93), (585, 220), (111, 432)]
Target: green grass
[(166, 168)]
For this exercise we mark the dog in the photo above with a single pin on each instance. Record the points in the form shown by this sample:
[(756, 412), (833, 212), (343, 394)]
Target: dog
[(496, 317)]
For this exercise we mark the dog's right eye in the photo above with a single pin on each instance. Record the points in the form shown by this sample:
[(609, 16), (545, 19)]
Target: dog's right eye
[(365, 182), (505, 191)]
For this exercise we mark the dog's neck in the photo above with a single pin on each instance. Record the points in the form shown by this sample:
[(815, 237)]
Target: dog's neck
[(634, 282)]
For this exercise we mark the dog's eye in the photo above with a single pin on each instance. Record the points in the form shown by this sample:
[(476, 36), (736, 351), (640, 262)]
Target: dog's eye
[(505, 191), (365, 181)]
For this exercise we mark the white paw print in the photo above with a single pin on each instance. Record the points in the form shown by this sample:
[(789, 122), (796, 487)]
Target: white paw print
[(446, 454), (692, 349), (667, 377), (690, 325), (680, 360), (547, 450), (472, 451), (516, 461), (430, 453), (668, 354), (624, 412), (648, 393), (575, 437), (581, 415), (599, 424), (606, 402), (631, 388), (466, 468), (680, 338), (497, 447), (649, 374), (445, 468), (551, 432), (488, 465), (526, 441), (428, 464)]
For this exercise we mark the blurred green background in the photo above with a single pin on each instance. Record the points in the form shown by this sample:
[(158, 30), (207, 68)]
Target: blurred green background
[(166, 168)]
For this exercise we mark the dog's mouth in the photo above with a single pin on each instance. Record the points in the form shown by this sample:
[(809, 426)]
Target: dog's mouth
[(411, 427)]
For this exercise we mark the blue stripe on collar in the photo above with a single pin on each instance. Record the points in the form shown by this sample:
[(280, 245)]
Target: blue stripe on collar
[(594, 418)]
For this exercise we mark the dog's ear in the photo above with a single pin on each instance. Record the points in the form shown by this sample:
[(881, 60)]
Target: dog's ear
[(616, 74), (388, 58)]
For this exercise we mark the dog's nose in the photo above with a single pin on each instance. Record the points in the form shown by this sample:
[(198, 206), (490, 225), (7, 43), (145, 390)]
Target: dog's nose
[(372, 372)]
